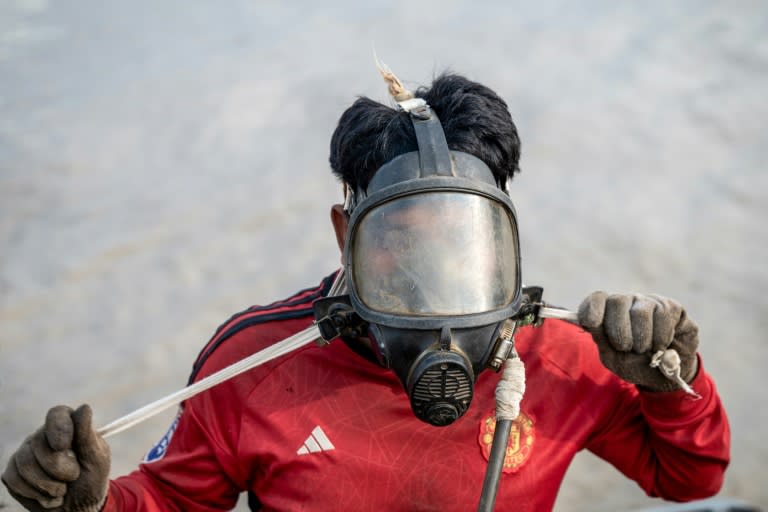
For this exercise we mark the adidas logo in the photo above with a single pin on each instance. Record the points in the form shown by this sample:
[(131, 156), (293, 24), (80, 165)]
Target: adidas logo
[(316, 442)]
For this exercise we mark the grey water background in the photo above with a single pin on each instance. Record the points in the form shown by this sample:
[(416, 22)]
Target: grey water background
[(164, 164)]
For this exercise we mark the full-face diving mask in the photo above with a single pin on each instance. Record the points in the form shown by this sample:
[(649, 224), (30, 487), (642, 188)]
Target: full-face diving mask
[(432, 266)]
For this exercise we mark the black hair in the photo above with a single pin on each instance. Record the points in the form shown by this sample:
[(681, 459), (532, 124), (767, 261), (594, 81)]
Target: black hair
[(474, 118)]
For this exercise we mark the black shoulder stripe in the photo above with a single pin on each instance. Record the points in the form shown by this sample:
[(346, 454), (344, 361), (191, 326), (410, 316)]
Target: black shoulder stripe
[(252, 317), (320, 291), (317, 291), (244, 324)]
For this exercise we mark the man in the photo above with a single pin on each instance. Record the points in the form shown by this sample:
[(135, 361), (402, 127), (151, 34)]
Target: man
[(399, 414)]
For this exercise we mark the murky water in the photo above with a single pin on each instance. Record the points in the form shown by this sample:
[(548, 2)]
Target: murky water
[(163, 165)]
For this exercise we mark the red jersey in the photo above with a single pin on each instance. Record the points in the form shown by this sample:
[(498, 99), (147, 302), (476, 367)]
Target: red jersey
[(324, 428)]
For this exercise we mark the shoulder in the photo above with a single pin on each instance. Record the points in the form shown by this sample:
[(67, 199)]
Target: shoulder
[(256, 328), (565, 349), (563, 367)]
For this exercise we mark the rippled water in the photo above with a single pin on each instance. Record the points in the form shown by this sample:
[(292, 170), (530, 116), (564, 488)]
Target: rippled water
[(163, 165)]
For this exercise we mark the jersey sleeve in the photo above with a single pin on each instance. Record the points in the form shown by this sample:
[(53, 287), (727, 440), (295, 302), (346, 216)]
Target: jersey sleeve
[(190, 475), (673, 445)]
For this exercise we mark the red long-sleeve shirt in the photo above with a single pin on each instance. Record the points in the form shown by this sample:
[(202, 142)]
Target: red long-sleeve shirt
[(323, 428)]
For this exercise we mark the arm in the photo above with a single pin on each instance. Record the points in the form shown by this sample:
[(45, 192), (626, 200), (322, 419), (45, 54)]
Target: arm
[(198, 466), (674, 445), (188, 476)]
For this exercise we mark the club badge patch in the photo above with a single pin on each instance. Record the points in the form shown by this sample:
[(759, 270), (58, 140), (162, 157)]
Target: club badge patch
[(521, 437), (158, 451)]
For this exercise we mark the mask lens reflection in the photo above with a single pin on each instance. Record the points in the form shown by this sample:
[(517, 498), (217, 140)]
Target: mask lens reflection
[(436, 253)]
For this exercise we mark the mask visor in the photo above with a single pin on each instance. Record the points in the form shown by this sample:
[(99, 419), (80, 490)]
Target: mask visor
[(436, 254)]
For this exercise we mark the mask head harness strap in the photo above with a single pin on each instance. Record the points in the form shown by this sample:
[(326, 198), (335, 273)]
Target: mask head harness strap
[(434, 155)]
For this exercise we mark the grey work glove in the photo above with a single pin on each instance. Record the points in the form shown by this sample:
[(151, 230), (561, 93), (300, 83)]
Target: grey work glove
[(630, 329), (63, 466)]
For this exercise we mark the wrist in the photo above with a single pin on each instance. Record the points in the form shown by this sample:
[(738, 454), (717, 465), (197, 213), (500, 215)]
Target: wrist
[(97, 505)]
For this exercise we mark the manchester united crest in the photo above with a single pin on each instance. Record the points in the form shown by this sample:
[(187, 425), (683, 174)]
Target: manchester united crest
[(521, 437)]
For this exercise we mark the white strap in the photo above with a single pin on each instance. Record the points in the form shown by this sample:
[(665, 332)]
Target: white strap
[(289, 344), (411, 104), (278, 349)]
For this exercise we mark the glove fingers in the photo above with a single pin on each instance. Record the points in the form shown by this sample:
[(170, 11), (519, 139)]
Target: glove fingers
[(48, 505), (19, 488), (665, 319), (686, 335), (627, 328), (93, 453), (34, 475), (616, 323), (85, 437), (58, 427), (61, 465), (592, 310), (641, 317), (90, 447)]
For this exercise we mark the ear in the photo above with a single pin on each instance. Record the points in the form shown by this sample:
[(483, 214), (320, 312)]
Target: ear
[(340, 220)]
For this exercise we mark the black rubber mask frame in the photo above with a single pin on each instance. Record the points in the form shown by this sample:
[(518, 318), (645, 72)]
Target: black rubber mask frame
[(433, 169)]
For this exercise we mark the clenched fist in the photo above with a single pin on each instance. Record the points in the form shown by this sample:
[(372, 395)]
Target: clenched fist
[(63, 466), (630, 329)]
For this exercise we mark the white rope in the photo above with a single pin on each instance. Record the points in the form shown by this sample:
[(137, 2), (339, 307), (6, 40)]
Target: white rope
[(510, 389)]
